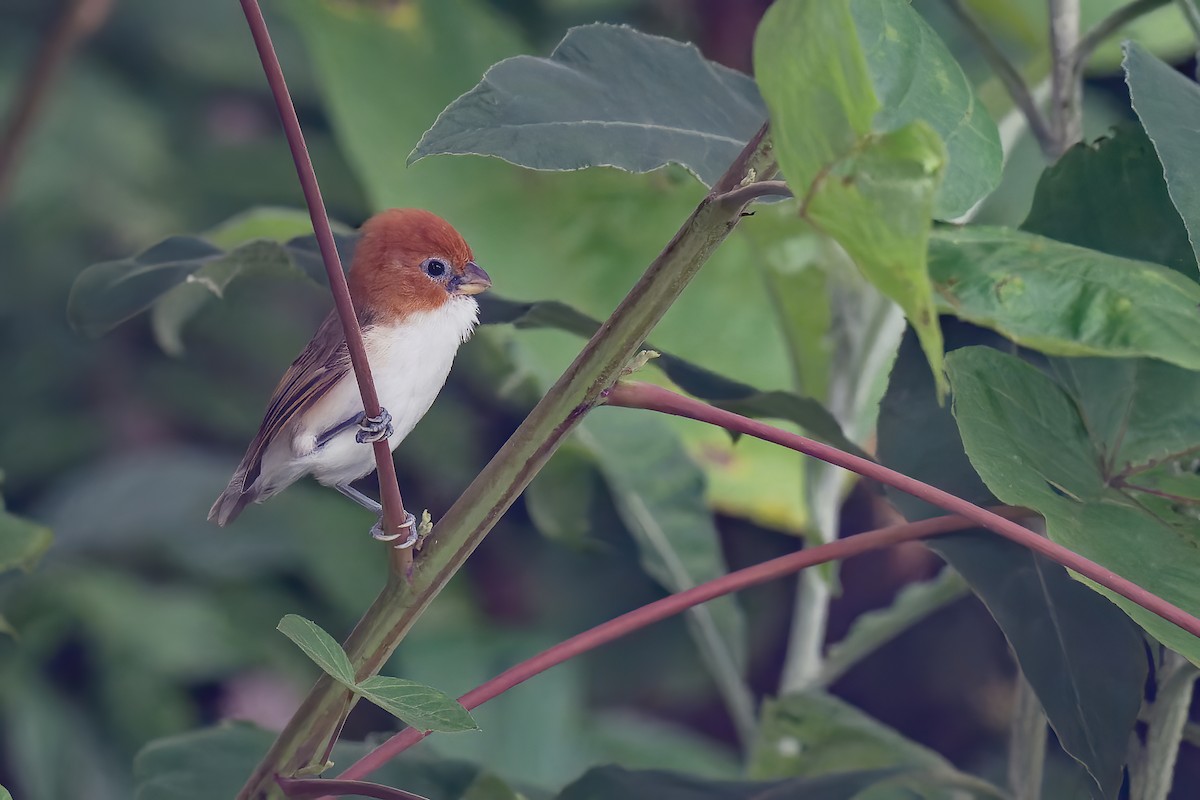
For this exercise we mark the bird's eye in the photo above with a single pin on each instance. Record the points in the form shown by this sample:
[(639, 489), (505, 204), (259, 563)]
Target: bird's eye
[(434, 267)]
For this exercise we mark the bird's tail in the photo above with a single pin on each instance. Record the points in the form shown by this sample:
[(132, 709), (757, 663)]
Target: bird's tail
[(232, 501)]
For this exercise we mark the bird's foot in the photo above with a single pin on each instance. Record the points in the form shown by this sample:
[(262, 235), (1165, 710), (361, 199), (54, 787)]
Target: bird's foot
[(374, 429), (410, 522)]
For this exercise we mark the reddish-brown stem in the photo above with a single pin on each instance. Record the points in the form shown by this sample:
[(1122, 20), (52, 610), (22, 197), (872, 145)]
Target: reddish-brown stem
[(389, 486), (655, 398), (668, 607), (317, 787), (77, 20)]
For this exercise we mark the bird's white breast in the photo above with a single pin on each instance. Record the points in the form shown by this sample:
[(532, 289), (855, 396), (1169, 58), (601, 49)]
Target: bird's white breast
[(410, 361)]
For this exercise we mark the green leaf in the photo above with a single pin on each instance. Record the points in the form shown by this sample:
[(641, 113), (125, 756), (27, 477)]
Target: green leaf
[(813, 734), (877, 204), (318, 645), (870, 188), (1168, 105), (5, 794), (606, 783), (105, 295), (1057, 629), (1110, 196), (659, 493), (1065, 300), (560, 499), (590, 104), (422, 707), (22, 543), (915, 77), (872, 630), (1035, 443)]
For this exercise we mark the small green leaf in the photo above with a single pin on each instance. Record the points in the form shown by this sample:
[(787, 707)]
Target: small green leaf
[(22, 543), (872, 630), (813, 734), (422, 707), (1168, 104), (877, 203), (590, 104), (917, 78), (1066, 300), (5, 794), (318, 645)]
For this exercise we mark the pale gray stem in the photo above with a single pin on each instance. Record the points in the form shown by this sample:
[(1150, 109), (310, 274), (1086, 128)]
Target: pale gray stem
[(1026, 744), (1154, 769), (1008, 75), (1066, 93)]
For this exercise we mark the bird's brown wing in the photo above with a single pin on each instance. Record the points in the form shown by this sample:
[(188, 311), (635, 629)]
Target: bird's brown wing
[(323, 362)]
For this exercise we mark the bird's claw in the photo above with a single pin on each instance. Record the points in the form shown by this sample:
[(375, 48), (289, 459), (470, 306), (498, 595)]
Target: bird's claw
[(410, 522), (374, 429)]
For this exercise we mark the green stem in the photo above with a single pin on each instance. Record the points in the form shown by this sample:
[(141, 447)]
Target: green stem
[(1026, 744), (1155, 768), (1066, 87), (313, 728), (1192, 14)]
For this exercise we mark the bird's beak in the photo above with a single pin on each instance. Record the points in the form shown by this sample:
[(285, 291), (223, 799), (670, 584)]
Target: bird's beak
[(473, 280)]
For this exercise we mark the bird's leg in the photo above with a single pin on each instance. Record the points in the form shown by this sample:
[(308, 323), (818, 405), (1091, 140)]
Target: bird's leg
[(374, 429), (410, 522), (358, 497)]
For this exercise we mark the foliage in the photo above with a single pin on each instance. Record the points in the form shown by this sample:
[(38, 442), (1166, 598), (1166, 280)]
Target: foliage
[(1051, 365)]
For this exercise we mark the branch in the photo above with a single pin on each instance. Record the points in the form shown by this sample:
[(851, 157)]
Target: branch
[(312, 729), (1192, 14), (1108, 26), (77, 20), (320, 787), (1066, 82), (669, 606), (1007, 75), (752, 191), (389, 486), (654, 398), (1154, 770)]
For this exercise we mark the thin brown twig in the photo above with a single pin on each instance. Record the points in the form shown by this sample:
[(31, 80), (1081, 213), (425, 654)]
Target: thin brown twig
[(669, 606), (321, 787), (389, 485), (78, 20), (1066, 82), (1007, 74), (655, 398), (1108, 26)]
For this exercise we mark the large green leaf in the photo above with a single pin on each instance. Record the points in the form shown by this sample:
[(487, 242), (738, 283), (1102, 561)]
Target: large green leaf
[(1168, 105), (871, 188), (1065, 300), (916, 78), (1110, 196), (591, 104), (1057, 629), (1073, 453)]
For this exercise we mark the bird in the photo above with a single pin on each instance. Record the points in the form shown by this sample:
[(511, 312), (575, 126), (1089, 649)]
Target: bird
[(413, 281)]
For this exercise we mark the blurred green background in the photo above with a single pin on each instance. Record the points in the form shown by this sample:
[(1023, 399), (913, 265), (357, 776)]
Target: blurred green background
[(144, 621)]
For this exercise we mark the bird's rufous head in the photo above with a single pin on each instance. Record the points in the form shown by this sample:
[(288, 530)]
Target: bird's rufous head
[(408, 261)]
